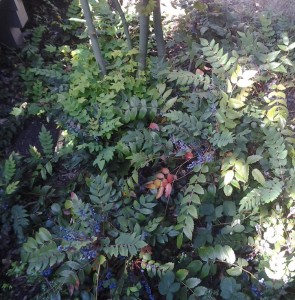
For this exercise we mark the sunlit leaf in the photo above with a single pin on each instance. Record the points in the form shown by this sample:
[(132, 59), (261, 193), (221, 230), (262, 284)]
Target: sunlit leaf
[(244, 82), (258, 176), (228, 177)]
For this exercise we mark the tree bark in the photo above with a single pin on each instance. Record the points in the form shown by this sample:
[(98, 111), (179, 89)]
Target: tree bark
[(93, 36), (143, 38), (159, 31), (124, 23)]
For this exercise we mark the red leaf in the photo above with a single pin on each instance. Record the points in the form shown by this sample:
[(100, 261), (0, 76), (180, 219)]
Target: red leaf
[(164, 182), (199, 71), (71, 289), (160, 192), (154, 126), (146, 249), (170, 178), (165, 171), (77, 284), (189, 156), (168, 190), (160, 176)]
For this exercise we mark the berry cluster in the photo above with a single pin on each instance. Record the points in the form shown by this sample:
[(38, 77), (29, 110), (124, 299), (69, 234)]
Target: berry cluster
[(256, 291), (71, 235), (147, 288), (112, 286), (213, 108), (88, 253), (72, 126), (97, 219), (108, 282), (109, 274), (96, 227), (181, 145), (201, 159), (4, 205)]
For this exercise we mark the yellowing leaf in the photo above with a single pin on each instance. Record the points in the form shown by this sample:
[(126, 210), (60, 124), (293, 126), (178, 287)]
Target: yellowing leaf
[(157, 183), (160, 192), (235, 103), (239, 70), (242, 170), (229, 86), (234, 78), (281, 87)]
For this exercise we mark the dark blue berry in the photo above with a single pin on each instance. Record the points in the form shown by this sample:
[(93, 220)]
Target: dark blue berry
[(109, 275), (112, 286), (88, 253), (47, 272)]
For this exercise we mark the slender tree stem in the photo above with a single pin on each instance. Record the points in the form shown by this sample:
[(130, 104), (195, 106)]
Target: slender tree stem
[(159, 31), (93, 36), (143, 38), (124, 23)]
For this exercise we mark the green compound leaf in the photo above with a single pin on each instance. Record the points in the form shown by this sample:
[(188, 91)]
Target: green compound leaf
[(46, 141), (9, 168)]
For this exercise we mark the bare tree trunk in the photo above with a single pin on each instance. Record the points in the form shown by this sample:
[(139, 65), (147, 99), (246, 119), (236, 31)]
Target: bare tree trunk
[(159, 31), (124, 23), (143, 38), (93, 36)]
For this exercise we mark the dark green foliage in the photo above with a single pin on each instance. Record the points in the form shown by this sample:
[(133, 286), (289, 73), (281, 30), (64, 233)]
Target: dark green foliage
[(46, 141), (41, 252), (9, 169), (19, 218), (178, 184)]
